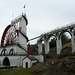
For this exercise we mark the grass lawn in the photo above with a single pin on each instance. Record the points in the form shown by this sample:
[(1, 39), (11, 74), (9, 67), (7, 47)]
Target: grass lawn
[(18, 71)]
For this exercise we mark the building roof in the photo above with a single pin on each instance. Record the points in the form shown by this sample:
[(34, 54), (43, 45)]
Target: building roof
[(30, 57)]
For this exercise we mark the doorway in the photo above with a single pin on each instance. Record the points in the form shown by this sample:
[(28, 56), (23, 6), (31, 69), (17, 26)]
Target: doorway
[(26, 64), (6, 61)]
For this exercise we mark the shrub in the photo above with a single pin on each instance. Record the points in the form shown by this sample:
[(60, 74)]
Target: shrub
[(64, 54)]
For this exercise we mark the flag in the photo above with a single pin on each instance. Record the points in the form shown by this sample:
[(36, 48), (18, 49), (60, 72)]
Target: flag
[(24, 6)]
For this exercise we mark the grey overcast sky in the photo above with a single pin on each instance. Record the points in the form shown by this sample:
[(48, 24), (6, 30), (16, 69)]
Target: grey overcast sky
[(43, 15)]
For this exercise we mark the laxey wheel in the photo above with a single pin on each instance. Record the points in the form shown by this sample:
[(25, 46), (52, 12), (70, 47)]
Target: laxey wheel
[(10, 36)]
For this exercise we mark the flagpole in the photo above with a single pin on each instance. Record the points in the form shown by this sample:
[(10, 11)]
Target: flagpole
[(24, 11)]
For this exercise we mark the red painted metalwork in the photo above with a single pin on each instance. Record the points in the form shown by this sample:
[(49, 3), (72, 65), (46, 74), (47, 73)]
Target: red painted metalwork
[(30, 51), (10, 35), (17, 32), (3, 37)]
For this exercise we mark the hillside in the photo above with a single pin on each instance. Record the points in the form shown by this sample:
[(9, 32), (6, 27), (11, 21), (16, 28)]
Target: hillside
[(63, 66)]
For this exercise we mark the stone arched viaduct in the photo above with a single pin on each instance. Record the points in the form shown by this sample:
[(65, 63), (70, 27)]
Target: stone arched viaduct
[(57, 34)]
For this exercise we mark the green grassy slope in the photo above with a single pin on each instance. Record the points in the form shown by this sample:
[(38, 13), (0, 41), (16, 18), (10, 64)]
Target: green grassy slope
[(18, 71)]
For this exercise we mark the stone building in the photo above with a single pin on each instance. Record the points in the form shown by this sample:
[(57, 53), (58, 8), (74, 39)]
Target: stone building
[(14, 43)]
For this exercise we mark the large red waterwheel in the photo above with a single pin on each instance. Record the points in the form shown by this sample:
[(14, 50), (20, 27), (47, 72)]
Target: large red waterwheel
[(10, 36)]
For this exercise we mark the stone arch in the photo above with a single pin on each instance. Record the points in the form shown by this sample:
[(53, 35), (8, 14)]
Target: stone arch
[(64, 32), (54, 35), (52, 47), (4, 52), (6, 61), (41, 45), (66, 45), (11, 52), (74, 32)]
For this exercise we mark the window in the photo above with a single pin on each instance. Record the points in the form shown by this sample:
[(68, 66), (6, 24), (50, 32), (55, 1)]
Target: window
[(12, 52), (4, 52)]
